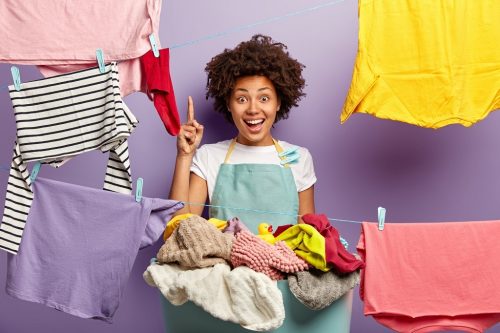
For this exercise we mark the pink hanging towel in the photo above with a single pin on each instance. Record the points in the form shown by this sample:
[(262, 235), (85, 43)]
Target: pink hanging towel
[(64, 35), (424, 277)]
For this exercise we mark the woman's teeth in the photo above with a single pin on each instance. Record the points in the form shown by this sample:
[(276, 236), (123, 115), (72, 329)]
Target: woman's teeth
[(254, 122)]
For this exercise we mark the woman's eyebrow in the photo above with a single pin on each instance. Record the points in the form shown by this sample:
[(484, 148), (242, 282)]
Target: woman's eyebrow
[(246, 90)]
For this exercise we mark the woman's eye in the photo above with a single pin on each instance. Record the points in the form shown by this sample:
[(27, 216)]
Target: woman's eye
[(241, 99), (264, 98)]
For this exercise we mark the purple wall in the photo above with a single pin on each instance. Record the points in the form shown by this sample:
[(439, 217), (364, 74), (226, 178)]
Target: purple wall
[(418, 174)]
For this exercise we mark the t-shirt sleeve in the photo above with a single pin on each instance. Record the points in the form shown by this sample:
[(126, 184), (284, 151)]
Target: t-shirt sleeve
[(305, 175), (200, 162)]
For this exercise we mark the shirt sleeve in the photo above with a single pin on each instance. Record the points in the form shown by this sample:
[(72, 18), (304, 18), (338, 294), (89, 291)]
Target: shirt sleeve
[(305, 175), (200, 163)]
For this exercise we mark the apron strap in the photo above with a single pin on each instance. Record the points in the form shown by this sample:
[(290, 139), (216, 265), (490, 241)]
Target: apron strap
[(230, 150), (279, 149)]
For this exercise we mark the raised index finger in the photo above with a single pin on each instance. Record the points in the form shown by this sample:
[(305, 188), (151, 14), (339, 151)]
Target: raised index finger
[(190, 113)]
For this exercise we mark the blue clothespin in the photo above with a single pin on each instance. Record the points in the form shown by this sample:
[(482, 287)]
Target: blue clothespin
[(344, 242), (16, 77), (381, 218), (138, 189), (99, 54), (292, 155), (289, 151), (291, 159), (154, 45), (34, 172)]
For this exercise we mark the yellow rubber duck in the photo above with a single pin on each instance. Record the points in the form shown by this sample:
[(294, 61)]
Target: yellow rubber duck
[(266, 233)]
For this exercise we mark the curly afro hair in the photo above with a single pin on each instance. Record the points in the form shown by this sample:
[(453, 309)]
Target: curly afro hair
[(258, 56)]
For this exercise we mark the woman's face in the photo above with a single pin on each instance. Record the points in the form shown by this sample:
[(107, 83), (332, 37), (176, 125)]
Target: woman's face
[(253, 105)]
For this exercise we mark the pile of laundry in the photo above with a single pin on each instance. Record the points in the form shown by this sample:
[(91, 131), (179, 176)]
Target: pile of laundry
[(231, 273)]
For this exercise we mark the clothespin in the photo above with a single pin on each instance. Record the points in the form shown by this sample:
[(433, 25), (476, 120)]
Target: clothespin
[(291, 156), (290, 159), (138, 189), (344, 242), (99, 54), (289, 151), (154, 45), (16, 77), (381, 218), (34, 172)]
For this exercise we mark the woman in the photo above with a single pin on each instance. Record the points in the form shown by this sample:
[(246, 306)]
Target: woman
[(254, 86)]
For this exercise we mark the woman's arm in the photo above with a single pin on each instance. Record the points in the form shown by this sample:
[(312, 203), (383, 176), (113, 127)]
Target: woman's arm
[(187, 186), (196, 192), (306, 202)]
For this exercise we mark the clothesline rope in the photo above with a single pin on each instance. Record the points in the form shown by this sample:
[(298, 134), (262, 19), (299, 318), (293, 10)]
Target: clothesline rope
[(260, 22), (227, 32), (260, 211), (342, 240), (6, 169)]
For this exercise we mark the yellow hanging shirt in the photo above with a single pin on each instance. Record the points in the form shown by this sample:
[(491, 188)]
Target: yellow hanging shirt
[(429, 63)]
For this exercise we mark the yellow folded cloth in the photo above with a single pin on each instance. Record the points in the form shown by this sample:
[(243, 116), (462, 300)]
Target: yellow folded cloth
[(174, 223), (307, 243)]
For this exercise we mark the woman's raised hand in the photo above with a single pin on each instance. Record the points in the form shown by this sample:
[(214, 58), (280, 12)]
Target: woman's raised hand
[(191, 132)]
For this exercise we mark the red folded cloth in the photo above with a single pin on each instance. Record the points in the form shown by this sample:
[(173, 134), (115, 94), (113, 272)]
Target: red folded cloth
[(281, 228), (160, 89), (335, 252)]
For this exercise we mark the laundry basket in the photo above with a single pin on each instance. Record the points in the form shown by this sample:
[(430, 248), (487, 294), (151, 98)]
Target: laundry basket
[(189, 318)]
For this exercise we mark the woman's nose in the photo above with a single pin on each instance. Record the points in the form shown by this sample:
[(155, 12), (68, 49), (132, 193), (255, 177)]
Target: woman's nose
[(252, 106)]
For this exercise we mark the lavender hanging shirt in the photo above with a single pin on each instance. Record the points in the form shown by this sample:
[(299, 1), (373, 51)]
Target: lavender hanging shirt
[(79, 247)]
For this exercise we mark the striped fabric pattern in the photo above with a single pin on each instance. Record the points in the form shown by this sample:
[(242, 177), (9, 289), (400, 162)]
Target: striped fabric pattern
[(58, 118)]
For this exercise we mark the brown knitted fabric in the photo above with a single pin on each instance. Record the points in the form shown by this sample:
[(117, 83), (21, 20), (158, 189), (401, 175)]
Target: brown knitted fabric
[(196, 243)]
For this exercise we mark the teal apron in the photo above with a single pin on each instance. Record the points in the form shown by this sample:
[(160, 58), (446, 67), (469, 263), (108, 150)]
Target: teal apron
[(250, 187), (262, 187)]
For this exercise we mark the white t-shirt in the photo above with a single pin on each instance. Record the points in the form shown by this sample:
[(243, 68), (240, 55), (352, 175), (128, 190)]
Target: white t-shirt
[(209, 157)]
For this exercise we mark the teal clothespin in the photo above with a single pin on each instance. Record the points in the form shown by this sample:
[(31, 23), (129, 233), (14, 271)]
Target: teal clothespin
[(154, 45), (381, 218), (292, 155), (138, 189), (34, 172), (293, 158), (99, 54), (344, 242), (16, 77), (287, 152)]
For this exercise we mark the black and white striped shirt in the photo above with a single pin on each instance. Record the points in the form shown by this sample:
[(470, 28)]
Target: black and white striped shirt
[(56, 119)]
